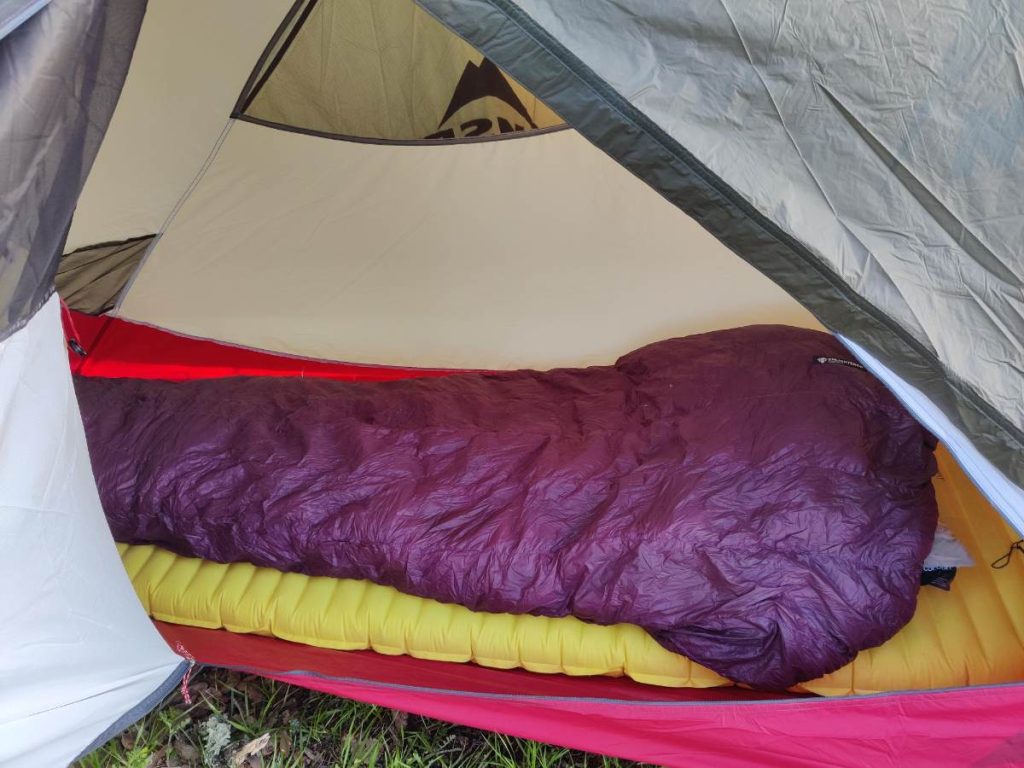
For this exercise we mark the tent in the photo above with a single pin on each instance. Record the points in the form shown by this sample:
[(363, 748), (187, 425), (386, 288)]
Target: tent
[(491, 184)]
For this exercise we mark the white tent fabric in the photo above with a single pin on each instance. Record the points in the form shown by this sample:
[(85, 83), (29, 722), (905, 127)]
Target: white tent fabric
[(996, 487), (14, 13), (532, 252), (79, 653)]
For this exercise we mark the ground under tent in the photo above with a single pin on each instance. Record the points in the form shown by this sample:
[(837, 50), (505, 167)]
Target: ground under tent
[(336, 180)]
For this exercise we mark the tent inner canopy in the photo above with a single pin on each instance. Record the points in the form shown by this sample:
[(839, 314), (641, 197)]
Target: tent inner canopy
[(383, 194)]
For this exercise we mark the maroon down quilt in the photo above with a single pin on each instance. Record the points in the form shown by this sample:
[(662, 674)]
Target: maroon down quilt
[(746, 497)]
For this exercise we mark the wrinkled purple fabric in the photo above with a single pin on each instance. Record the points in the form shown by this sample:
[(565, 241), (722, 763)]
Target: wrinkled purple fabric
[(762, 513)]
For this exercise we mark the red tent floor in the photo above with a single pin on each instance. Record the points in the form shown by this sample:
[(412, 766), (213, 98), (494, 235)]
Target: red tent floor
[(675, 727)]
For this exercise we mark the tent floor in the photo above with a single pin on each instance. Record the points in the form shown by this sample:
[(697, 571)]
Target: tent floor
[(971, 636), (968, 636)]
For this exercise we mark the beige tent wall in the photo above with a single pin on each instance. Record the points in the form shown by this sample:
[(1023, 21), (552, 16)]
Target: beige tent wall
[(537, 251), (191, 61)]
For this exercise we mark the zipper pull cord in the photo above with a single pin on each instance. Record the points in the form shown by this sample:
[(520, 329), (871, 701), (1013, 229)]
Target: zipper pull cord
[(70, 332), (1004, 561)]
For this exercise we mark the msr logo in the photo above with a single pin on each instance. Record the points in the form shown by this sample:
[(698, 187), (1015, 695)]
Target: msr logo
[(483, 104)]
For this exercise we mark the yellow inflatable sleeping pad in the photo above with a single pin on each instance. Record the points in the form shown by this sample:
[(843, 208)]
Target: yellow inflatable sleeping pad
[(971, 635)]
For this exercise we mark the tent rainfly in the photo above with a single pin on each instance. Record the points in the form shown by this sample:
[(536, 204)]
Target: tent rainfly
[(494, 184)]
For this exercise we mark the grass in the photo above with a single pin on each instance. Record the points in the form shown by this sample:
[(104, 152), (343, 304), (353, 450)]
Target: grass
[(241, 721)]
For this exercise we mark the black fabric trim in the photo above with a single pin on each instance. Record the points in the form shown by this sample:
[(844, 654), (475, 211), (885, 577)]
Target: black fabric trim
[(251, 87), (504, 33), (402, 142), (139, 711), (940, 578), (109, 244)]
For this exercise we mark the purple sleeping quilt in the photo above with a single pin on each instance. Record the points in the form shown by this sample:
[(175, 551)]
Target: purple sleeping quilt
[(762, 512)]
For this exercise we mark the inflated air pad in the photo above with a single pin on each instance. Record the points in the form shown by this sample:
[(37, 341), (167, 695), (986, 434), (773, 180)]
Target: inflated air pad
[(971, 635)]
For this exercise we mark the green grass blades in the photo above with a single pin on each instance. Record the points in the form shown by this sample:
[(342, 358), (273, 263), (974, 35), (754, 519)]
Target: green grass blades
[(242, 721)]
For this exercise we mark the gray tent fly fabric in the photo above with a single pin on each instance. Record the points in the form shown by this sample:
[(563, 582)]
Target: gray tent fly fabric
[(60, 76)]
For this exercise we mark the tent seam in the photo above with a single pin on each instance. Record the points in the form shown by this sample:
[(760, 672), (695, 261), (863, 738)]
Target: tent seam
[(516, 135), (797, 701), (116, 311)]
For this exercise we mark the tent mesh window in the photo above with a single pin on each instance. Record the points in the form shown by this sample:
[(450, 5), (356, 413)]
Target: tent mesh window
[(91, 279), (384, 70)]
